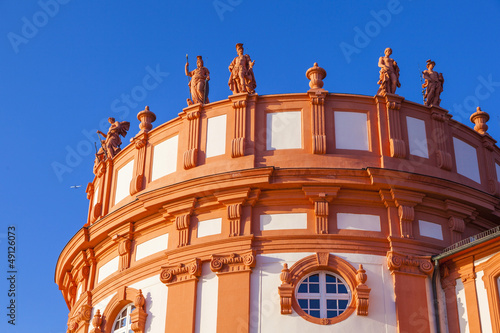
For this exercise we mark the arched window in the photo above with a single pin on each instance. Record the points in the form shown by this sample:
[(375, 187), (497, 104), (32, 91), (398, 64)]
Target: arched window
[(323, 294), (122, 323)]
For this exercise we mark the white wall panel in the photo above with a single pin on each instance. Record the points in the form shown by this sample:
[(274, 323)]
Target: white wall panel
[(156, 295), (107, 269), (482, 301), (151, 246), (216, 136), (209, 227), (417, 137), (351, 130), (165, 157), (284, 130), (497, 167), (101, 306), (429, 229), (462, 307), (466, 159), (206, 301), (358, 222), (265, 316), (123, 179), (283, 221), (96, 195)]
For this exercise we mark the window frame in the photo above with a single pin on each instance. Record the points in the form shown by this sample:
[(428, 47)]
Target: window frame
[(323, 295), (129, 308)]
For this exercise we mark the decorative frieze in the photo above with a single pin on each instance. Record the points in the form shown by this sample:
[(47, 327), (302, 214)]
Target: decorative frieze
[(418, 265), (233, 262), (181, 272)]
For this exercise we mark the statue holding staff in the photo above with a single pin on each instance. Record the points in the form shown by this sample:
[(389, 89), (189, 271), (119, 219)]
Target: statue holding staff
[(433, 85), (112, 141), (389, 74), (198, 85), (242, 78)]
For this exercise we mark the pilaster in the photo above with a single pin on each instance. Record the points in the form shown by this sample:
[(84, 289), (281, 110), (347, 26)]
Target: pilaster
[(409, 276), (239, 102), (192, 114), (405, 202), (440, 117), (321, 197), (393, 107)]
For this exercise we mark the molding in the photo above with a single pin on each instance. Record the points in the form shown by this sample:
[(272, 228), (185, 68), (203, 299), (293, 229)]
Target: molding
[(233, 263), (324, 261), (408, 264), (181, 272)]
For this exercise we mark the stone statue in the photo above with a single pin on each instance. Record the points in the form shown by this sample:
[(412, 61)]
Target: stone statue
[(242, 79), (433, 84), (198, 85), (111, 143), (389, 74)]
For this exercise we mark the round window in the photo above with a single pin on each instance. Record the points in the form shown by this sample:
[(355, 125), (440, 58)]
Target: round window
[(323, 295), (122, 323)]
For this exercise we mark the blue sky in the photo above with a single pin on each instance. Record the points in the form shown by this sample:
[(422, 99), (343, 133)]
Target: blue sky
[(67, 65)]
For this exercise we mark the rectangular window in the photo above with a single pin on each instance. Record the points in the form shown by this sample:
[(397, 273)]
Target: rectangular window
[(151, 246), (123, 179), (432, 230), (358, 222), (165, 157), (216, 136), (209, 227), (466, 159), (417, 137), (351, 130), (284, 130), (283, 221)]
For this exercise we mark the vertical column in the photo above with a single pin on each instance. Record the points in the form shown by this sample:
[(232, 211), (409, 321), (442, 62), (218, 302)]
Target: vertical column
[(406, 201), (90, 256), (468, 276), (393, 107), (238, 143), (410, 275), (443, 156), (96, 199), (317, 96), (140, 141), (106, 187), (489, 147), (192, 114), (321, 197), (392, 213), (181, 281), (233, 304)]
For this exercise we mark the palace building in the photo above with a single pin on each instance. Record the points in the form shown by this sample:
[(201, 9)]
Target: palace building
[(303, 212)]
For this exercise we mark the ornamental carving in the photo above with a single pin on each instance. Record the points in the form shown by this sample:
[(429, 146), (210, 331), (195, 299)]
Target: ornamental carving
[(80, 318), (356, 280), (233, 262), (139, 316), (182, 224), (285, 291), (419, 265), (96, 322), (181, 272)]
